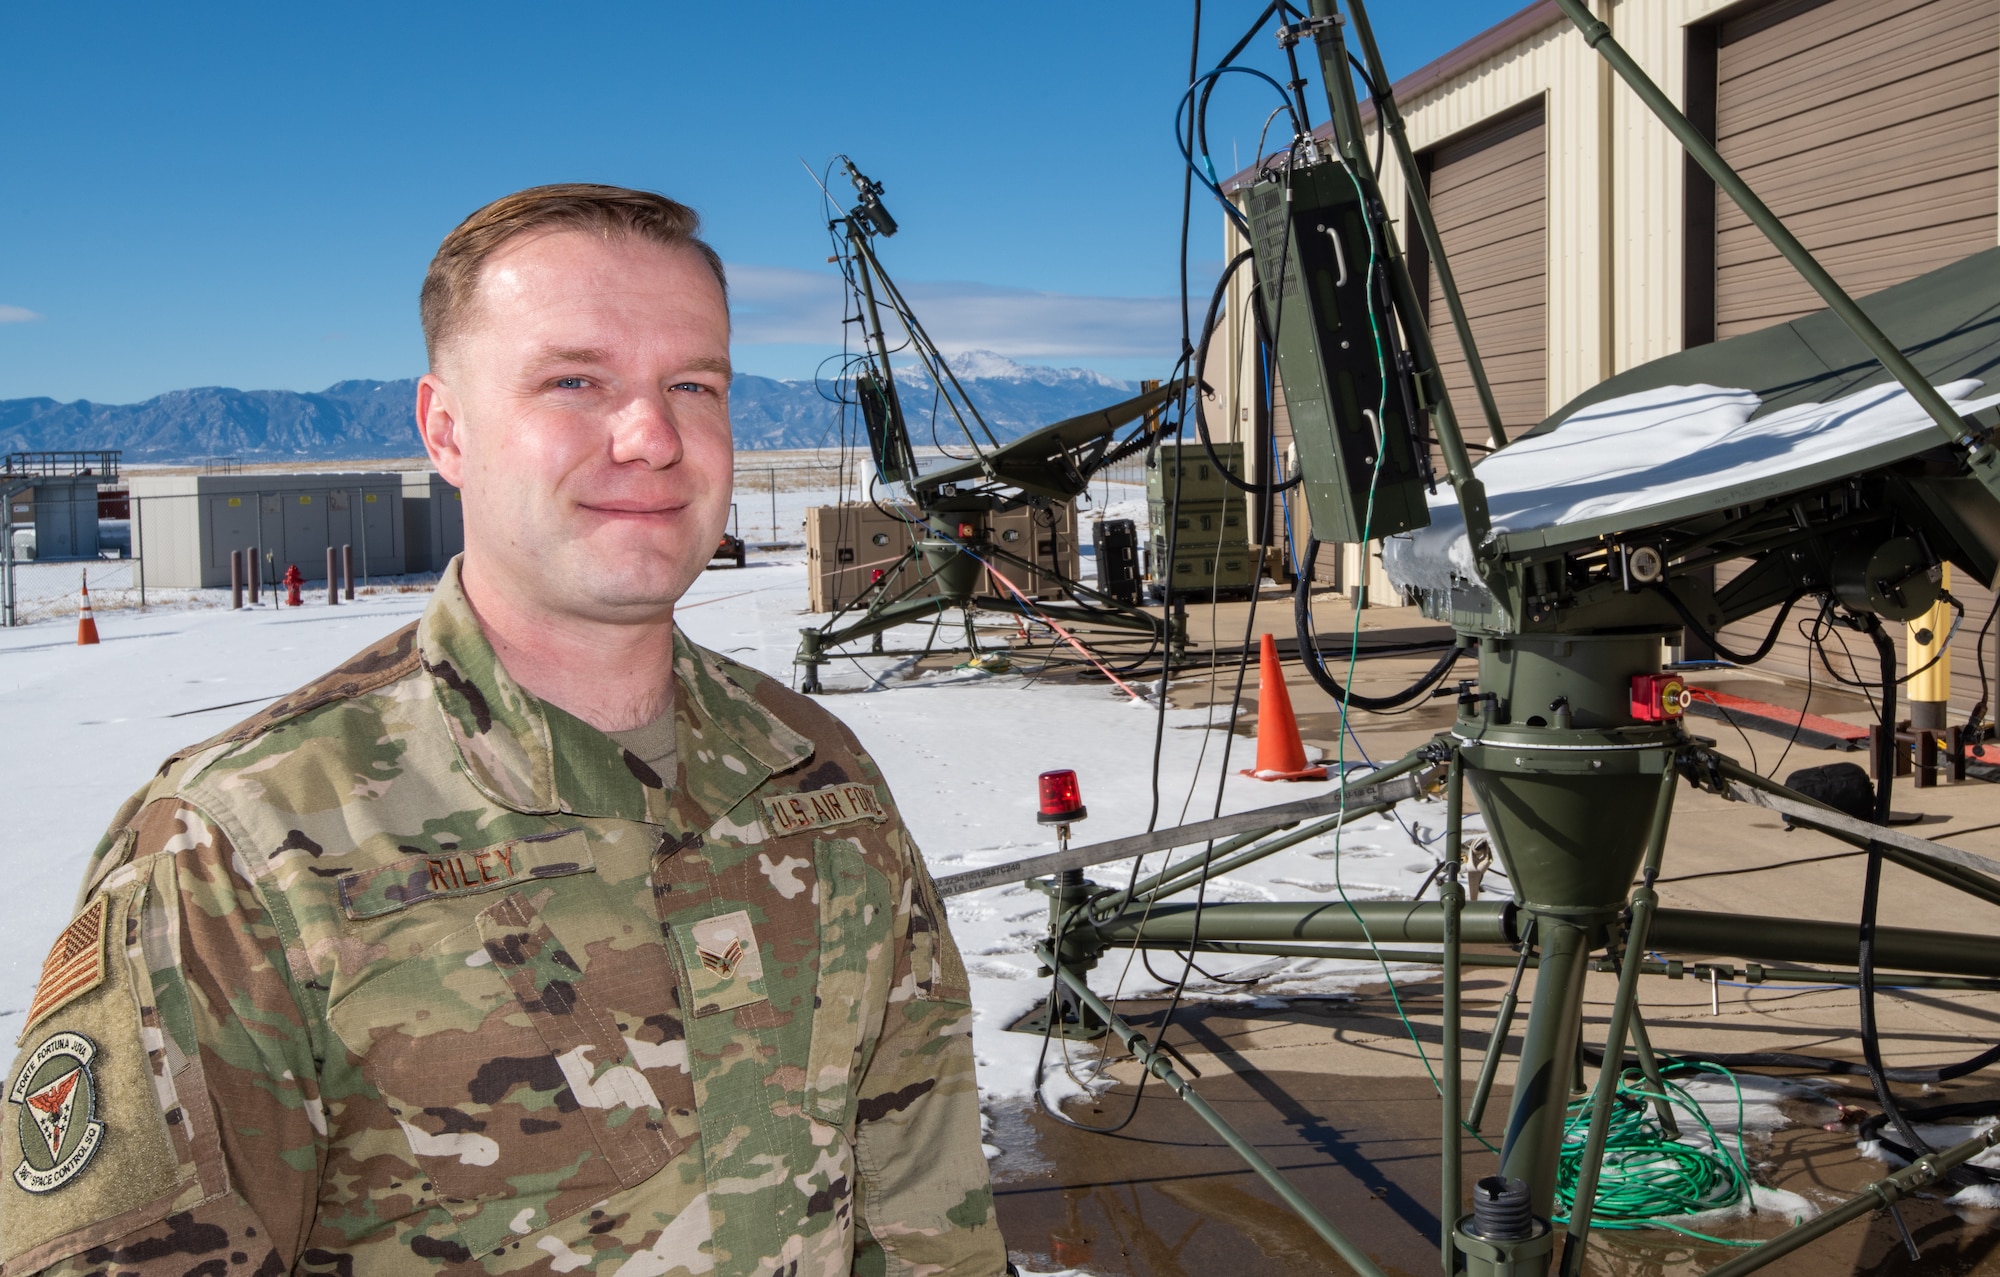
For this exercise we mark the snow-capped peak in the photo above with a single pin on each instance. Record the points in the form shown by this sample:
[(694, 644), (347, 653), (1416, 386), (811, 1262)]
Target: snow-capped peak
[(987, 365)]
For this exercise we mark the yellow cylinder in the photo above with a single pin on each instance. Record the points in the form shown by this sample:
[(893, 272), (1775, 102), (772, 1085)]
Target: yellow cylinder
[(1934, 684)]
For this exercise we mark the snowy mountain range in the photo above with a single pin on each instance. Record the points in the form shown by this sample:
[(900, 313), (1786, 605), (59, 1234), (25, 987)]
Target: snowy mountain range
[(353, 420)]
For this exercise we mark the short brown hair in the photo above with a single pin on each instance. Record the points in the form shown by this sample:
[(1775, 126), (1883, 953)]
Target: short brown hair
[(453, 277)]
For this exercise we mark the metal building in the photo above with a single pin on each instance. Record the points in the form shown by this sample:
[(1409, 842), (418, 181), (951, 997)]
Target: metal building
[(433, 521), (1584, 242), (185, 525), (50, 506)]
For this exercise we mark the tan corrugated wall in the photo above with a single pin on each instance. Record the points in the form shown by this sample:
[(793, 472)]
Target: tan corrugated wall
[(1616, 187), (1870, 127), (1489, 196), (1555, 67), (1873, 128)]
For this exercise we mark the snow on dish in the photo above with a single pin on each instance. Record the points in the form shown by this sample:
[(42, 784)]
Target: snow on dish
[(1625, 457)]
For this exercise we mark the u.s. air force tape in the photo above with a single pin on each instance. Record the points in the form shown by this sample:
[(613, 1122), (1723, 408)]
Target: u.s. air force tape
[(841, 804)]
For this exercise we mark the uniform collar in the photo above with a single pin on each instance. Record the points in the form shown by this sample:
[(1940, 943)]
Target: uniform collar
[(530, 756)]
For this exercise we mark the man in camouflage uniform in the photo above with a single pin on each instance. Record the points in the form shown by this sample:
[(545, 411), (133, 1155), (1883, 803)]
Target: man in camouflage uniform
[(533, 938)]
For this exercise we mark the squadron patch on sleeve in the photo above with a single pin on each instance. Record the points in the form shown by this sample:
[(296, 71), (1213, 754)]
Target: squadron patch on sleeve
[(821, 808), (57, 1098), (74, 967)]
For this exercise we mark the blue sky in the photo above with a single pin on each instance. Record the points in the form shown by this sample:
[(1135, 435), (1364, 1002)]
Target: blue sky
[(247, 195)]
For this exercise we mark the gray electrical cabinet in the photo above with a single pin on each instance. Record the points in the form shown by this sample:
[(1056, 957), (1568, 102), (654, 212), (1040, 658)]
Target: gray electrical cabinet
[(186, 525), (62, 510), (433, 521)]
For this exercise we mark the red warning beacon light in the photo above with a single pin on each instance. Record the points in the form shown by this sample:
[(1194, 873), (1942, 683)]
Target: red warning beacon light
[(1062, 800), (1659, 698)]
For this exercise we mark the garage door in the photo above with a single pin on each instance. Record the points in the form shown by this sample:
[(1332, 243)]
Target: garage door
[(1489, 193), (1870, 127)]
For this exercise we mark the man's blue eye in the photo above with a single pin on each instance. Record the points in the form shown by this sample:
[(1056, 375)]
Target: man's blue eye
[(570, 383)]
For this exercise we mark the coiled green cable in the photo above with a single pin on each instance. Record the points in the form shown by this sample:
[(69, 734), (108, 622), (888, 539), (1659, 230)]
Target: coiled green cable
[(1646, 1177)]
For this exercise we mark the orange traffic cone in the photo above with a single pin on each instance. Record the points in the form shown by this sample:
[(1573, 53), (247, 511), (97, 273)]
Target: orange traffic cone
[(86, 625), (1281, 755)]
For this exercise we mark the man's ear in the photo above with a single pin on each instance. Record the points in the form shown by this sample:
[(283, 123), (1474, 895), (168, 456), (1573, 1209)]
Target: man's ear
[(439, 422)]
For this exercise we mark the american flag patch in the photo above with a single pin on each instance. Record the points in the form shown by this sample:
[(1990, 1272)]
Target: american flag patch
[(74, 966)]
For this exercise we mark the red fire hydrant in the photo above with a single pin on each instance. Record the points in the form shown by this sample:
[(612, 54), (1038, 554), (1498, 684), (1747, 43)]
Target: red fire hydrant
[(293, 580)]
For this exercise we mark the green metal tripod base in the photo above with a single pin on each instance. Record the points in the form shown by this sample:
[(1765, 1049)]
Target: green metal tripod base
[(954, 569)]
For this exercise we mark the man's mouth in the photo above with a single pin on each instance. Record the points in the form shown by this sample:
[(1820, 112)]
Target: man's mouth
[(634, 509)]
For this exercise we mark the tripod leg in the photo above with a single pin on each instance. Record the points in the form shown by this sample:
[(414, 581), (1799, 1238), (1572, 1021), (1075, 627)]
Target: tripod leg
[(1649, 1064), (1548, 1052), (1644, 901), (1454, 899), (1503, 1024)]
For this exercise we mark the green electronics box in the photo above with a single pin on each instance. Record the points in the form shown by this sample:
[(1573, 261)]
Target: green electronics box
[(1322, 269)]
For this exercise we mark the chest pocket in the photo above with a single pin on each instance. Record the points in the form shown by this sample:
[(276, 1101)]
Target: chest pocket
[(533, 1058), (775, 1030), (855, 924), (784, 994)]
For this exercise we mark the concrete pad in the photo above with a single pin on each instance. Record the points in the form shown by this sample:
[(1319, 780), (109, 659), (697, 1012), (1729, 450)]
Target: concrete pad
[(1334, 1089)]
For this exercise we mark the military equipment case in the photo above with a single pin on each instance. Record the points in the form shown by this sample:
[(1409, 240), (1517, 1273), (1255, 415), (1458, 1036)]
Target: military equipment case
[(1315, 254), (1051, 549), (1198, 481), (1211, 548), (847, 544), (1117, 544), (1195, 574)]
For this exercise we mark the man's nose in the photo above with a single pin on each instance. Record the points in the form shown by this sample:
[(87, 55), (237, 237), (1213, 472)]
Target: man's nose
[(645, 430)]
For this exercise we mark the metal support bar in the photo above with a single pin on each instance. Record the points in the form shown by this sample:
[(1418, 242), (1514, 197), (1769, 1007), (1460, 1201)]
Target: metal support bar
[(1435, 958), (1155, 1062), (1767, 939), (1496, 1045), (1644, 900), (1598, 36), (1649, 1064), (1145, 887), (1388, 116), (1367, 922), (1193, 869), (1548, 1059), (858, 239), (1958, 879), (1883, 1193), (1268, 949), (1452, 897), (1859, 833), (1387, 784), (1354, 151), (1975, 960)]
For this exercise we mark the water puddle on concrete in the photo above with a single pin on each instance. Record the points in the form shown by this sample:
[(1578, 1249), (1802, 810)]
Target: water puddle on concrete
[(1165, 1197)]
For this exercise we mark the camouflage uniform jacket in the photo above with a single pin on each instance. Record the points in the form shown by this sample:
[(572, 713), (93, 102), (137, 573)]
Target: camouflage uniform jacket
[(416, 973)]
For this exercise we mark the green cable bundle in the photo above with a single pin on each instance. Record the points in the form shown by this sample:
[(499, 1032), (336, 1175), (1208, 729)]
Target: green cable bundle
[(1648, 1177)]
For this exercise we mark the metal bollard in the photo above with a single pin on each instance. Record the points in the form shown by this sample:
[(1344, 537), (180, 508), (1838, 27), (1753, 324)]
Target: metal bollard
[(347, 571), (332, 581), (236, 580), (254, 562)]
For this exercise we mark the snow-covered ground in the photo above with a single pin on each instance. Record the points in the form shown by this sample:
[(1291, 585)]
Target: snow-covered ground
[(86, 726)]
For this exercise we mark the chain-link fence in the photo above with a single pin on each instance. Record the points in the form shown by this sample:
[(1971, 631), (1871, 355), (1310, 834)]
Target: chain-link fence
[(42, 591)]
